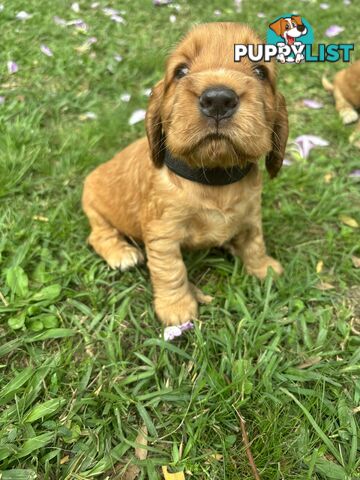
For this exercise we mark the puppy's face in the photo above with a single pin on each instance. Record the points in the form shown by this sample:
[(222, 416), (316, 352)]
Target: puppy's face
[(209, 110)]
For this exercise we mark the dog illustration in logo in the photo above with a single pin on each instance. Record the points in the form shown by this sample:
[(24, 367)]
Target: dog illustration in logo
[(290, 29)]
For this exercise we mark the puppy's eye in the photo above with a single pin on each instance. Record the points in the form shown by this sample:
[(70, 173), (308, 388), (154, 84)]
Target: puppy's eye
[(261, 72), (181, 71), (287, 27)]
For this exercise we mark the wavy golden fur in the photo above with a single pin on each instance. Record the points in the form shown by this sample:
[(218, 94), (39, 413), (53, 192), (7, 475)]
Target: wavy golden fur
[(135, 196)]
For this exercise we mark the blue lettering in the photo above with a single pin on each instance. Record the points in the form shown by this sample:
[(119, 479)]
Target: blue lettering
[(308, 54), (332, 53), (346, 48)]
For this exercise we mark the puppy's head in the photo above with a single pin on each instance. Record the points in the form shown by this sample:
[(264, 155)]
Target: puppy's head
[(210, 111)]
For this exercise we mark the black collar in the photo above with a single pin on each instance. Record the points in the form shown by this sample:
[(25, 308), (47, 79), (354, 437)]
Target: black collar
[(206, 176)]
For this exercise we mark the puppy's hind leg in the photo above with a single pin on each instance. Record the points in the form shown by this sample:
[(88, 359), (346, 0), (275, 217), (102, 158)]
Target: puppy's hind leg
[(250, 247), (108, 242), (346, 111)]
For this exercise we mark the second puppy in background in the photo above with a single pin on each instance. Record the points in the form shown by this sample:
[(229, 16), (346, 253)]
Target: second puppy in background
[(346, 91)]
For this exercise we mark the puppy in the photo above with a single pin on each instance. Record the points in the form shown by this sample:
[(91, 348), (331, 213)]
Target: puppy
[(346, 91), (194, 181)]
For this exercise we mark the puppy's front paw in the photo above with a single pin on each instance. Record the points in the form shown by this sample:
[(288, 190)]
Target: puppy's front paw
[(261, 269), (348, 115), (124, 257), (176, 313)]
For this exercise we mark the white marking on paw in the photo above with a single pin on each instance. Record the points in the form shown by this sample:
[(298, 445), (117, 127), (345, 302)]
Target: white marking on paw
[(126, 258), (349, 116)]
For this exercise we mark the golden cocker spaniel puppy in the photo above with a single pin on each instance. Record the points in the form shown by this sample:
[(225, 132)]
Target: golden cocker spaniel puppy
[(194, 181)]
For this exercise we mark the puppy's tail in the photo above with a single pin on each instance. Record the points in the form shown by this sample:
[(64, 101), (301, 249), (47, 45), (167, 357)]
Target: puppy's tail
[(329, 87)]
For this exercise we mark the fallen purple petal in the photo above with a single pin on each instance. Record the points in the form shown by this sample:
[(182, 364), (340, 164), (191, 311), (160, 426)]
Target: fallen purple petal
[(23, 16), (324, 6), (12, 67), (261, 15), (355, 174), (118, 19), (287, 162), (78, 23), (159, 3), (186, 326), (2, 100), (171, 332), (312, 103), (137, 116), (125, 97), (172, 18), (118, 58), (334, 30), (307, 142), (46, 51), (75, 7), (59, 21), (110, 11)]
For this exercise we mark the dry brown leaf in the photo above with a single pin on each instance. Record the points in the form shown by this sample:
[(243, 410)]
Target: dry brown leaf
[(217, 456), (40, 218), (349, 221), (172, 476), (309, 362), (324, 286), (328, 177), (319, 266), (355, 261), (130, 473), (141, 439)]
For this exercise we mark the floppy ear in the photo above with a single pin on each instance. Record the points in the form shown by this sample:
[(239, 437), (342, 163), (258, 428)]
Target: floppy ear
[(153, 125), (297, 19), (275, 157), (276, 27)]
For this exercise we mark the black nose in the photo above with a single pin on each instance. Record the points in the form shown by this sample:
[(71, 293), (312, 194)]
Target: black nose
[(218, 102), (301, 28)]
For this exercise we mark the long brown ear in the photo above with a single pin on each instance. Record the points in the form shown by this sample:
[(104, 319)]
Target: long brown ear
[(275, 157), (276, 27), (297, 19), (153, 125)]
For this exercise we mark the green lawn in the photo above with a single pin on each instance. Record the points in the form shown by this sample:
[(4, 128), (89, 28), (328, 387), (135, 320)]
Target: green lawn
[(82, 362)]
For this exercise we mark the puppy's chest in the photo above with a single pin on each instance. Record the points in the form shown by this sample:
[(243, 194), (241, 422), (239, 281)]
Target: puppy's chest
[(214, 226)]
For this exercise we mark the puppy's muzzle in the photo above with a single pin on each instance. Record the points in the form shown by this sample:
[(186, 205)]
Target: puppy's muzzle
[(218, 102)]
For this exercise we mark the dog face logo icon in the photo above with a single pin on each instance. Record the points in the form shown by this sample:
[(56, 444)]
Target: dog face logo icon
[(290, 29), (292, 32)]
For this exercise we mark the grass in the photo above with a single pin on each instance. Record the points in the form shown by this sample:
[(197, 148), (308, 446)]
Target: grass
[(82, 363)]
